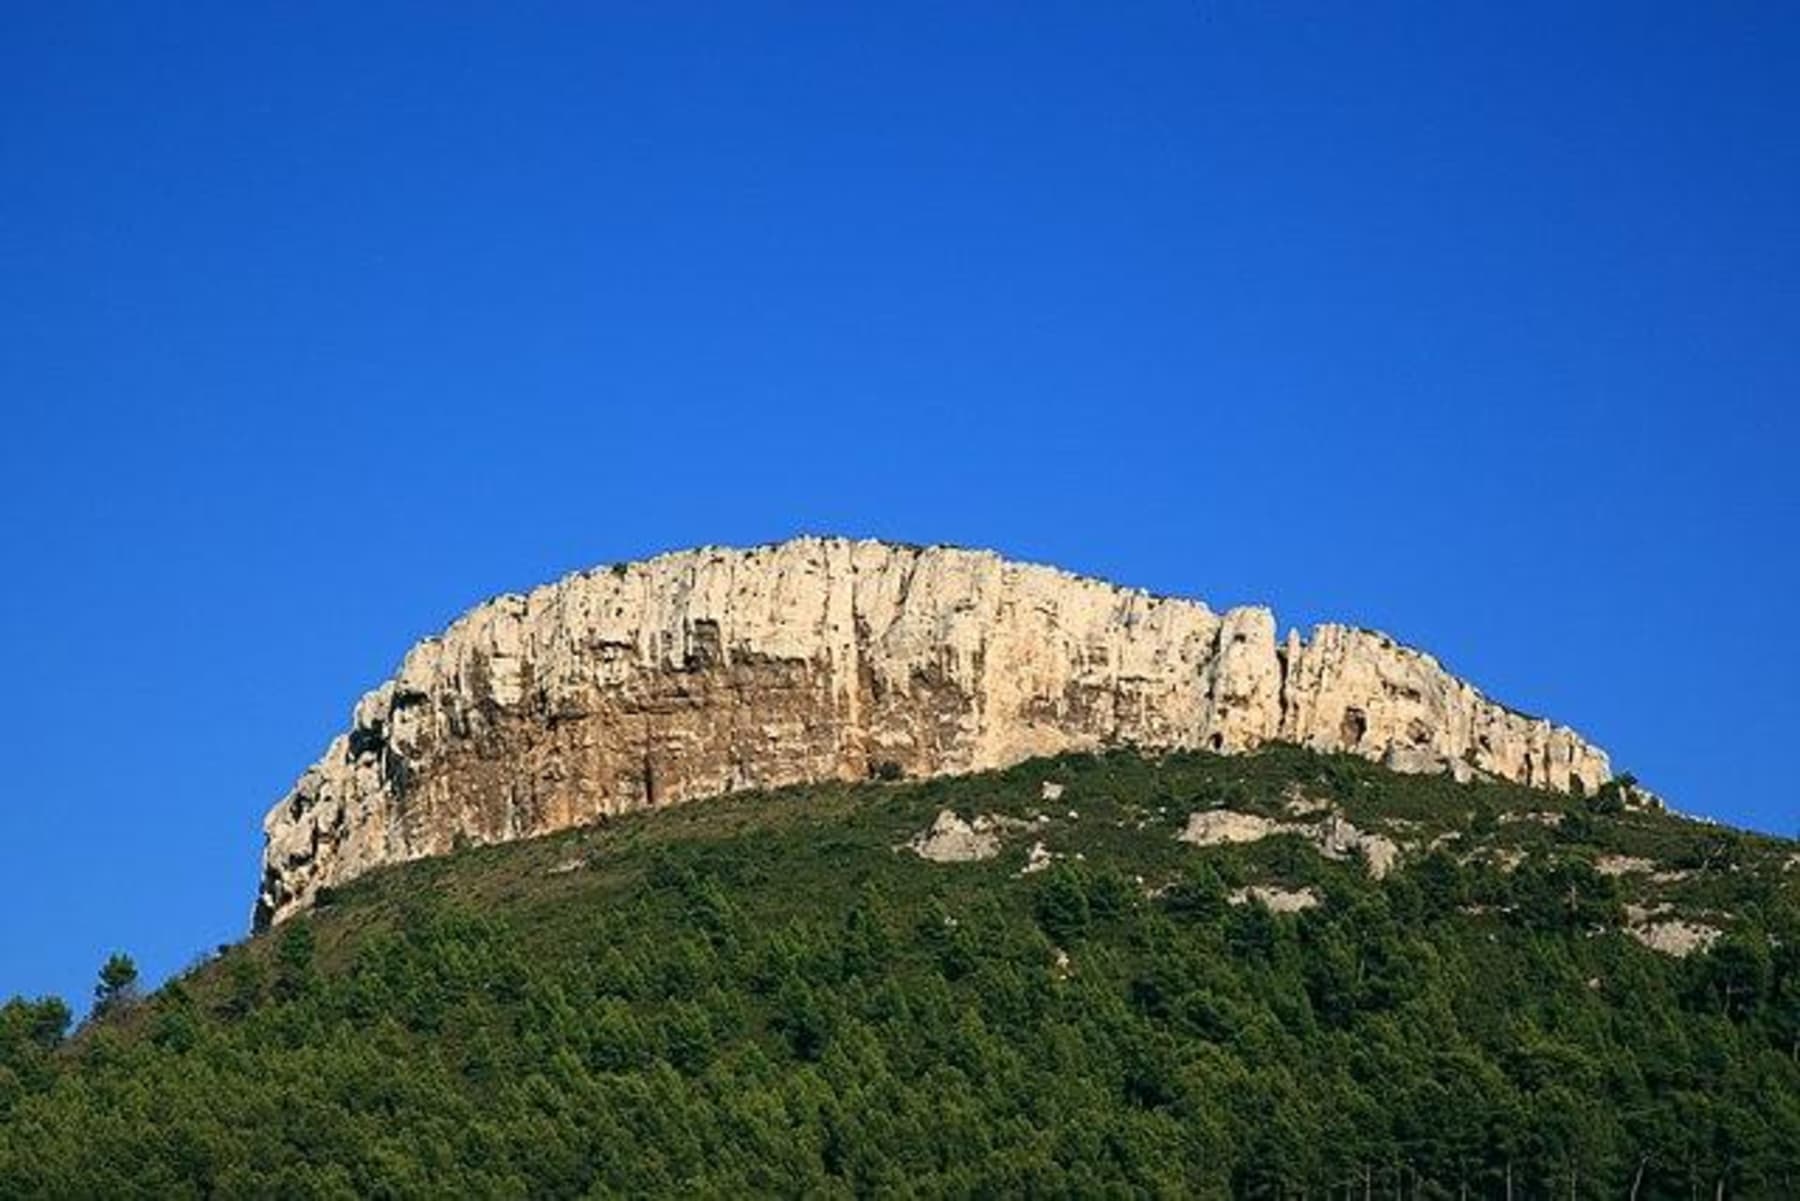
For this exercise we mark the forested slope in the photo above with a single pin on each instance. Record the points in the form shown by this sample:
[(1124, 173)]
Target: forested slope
[(772, 994)]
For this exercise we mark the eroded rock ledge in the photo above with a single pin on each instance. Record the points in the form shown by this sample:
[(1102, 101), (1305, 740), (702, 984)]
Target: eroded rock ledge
[(712, 670)]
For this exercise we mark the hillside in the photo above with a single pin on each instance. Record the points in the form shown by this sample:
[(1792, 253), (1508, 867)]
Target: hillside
[(776, 993), (716, 670)]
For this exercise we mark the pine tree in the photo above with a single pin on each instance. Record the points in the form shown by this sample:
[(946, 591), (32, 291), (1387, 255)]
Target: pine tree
[(117, 989)]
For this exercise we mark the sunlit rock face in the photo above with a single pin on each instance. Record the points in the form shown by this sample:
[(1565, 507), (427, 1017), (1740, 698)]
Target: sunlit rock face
[(708, 671)]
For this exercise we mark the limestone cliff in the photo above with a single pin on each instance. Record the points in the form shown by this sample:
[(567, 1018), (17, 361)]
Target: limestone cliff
[(711, 670)]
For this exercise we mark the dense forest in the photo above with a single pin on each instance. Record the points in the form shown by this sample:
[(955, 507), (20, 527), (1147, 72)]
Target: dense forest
[(769, 994)]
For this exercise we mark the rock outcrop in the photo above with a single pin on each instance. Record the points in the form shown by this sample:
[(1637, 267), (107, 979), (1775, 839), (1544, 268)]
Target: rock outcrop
[(1655, 928), (713, 670), (1274, 899), (950, 839), (1222, 827), (1332, 834)]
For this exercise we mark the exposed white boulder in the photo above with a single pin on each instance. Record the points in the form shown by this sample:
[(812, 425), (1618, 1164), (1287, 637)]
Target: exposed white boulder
[(1275, 899), (1542, 817), (950, 839), (1333, 834), (1338, 839), (1215, 827), (1297, 803), (1668, 935)]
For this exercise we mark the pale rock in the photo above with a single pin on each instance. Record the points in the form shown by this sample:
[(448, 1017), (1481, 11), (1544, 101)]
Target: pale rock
[(950, 839), (715, 670), (1502, 859), (1243, 682), (1334, 836), (1540, 818), (1420, 761), (1622, 865), (1218, 827), (1298, 804), (1338, 839), (1274, 899), (1508, 859), (1415, 760), (1667, 935), (1358, 690), (1037, 859), (1051, 791)]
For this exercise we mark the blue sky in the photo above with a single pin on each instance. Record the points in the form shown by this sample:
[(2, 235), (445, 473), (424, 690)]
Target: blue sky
[(1476, 323)]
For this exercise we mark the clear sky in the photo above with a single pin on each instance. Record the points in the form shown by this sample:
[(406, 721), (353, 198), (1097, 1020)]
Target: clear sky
[(1478, 323)]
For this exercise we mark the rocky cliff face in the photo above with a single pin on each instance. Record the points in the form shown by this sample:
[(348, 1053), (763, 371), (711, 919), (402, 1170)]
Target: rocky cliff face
[(711, 670)]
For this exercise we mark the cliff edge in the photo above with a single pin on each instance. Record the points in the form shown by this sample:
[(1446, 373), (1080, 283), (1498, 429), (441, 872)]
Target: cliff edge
[(712, 670)]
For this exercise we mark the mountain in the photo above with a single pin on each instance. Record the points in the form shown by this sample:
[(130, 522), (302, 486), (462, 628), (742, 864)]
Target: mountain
[(712, 671), (843, 868), (1274, 974)]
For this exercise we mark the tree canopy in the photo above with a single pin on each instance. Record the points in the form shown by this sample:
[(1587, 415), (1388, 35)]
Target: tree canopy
[(763, 995)]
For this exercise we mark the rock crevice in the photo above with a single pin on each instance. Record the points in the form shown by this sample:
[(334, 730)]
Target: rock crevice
[(714, 670)]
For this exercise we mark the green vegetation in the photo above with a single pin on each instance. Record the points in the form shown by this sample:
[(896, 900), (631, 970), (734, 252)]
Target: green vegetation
[(117, 987), (760, 995)]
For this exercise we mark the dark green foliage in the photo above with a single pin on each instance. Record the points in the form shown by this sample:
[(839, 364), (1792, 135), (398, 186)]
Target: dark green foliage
[(1610, 798), (1062, 905), (29, 1032), (760, 996), (249, 978), (38, 1024), (1197, 893), (294, 973), (117, 987), (1737, 973)]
